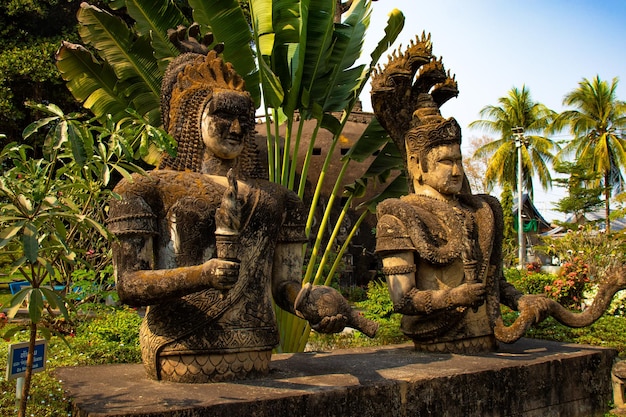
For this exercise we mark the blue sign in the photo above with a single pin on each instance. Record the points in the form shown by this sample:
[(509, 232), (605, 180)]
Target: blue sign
[(18, 352)]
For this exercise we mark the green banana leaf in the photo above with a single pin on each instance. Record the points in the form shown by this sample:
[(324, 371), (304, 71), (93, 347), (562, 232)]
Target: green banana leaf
[(152, 19), (347, 47), (317, 50), (91, 82), (227, 22), (130, 56)]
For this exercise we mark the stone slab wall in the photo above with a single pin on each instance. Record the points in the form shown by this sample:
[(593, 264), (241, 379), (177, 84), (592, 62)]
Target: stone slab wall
[(530, 378)]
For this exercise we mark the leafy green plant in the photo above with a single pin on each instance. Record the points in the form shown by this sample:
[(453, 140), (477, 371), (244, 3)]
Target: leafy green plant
[(91, 288), (378, 304), (529, 283), (112, 336), (52, 207)]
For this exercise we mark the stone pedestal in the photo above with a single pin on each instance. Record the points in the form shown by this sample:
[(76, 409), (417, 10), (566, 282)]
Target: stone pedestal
[(530, 378)]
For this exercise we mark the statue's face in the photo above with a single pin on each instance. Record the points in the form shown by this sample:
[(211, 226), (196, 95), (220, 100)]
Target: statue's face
[(445, 171), (225, 125)]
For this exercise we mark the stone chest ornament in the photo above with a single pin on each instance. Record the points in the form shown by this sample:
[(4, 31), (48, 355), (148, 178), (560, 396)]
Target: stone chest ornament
[(207, 243), (441, 245)]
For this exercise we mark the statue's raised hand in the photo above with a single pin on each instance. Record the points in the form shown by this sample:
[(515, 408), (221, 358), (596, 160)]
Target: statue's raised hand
[(220, 274), (468, 294)]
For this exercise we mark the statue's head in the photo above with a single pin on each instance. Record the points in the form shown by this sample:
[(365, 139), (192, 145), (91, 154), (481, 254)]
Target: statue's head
[(206, 108), (406, 97), (433, 150)]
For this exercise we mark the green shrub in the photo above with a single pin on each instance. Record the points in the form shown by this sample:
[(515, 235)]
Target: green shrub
[(528, 283), (112, 336), (378, 303)]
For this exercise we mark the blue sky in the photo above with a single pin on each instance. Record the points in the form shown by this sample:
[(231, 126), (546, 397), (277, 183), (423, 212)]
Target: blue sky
[(493, 46)]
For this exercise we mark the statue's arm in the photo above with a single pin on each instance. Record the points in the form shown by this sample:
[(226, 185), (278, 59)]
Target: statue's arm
[(287, 274), (138, 283), (399, 270)]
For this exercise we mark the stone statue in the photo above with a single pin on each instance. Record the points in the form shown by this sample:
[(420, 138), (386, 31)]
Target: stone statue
[(207, 242), (441, 245)]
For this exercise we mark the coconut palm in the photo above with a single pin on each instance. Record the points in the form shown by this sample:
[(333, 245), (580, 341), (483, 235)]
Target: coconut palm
[(597, 125), (516, 110)]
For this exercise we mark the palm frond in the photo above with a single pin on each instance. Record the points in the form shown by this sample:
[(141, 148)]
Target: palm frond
[(152, 20), (227, 22), (130, 57)]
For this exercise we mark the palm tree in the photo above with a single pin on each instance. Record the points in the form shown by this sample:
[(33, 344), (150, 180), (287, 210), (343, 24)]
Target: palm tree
[(516, 110), (597, 126)]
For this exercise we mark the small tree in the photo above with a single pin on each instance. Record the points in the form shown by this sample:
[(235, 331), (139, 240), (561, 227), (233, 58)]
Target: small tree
[(581, 196), (509, 243), (51, 207), (475, 167), (597, 123)]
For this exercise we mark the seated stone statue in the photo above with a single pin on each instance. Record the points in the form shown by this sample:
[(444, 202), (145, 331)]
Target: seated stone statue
[(207, 243), (441, 245)]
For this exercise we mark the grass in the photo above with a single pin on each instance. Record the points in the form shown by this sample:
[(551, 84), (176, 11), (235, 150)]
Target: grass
[(109, 337)]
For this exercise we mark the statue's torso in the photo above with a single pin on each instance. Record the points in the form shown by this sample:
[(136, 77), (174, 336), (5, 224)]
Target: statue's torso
[(212, 321), (439, 233)]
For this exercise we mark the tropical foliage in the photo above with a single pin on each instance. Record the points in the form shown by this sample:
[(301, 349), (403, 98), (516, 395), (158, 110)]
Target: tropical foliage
[(581, 198), (597, 125), (28, 40), (517, 110), (52, 211), (299, 64)]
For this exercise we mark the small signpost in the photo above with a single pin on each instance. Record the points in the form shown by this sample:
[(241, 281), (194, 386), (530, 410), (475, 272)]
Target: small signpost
[(16, 368)]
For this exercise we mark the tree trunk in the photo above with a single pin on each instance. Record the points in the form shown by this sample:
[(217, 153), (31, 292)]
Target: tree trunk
[(29, 370), (607, 201)]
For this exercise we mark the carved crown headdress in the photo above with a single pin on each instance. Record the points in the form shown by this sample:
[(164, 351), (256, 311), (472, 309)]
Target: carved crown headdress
[(407, 94), (193, 81)]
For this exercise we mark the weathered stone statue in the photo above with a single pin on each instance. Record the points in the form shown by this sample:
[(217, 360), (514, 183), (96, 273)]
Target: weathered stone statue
[(206, 242), (441, 245)]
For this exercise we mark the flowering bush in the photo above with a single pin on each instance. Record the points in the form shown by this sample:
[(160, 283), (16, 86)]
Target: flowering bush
[(570, 285), (528, 282), (533, 267)]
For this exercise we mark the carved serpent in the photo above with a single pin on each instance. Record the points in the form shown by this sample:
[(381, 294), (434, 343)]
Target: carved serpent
[(614, 283)]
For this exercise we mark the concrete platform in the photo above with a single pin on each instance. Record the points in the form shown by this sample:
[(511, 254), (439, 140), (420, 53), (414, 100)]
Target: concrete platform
[(530, 378)]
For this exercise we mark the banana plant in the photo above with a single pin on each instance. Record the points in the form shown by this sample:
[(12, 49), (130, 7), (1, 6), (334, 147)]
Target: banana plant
[(299, 64)]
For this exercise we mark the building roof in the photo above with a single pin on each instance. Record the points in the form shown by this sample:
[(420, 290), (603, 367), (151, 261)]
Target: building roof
[(530, 213)]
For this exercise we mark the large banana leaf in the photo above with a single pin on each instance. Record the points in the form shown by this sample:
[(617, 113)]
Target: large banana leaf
[(91, 82), (263, 28), (319, 37), (227, 22), (348, 41), (130, 56), (291, 32), (152, 20), (395, 23)]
